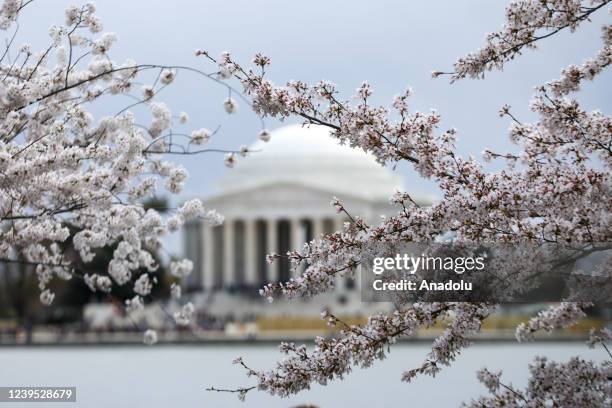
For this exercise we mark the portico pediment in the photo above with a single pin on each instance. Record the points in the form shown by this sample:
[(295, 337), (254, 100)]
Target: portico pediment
[(281, 199)]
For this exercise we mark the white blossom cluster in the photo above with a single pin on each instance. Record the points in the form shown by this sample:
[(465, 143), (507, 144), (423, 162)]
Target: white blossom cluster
[(150, 337), (555, 190), (62, 169), (334, 357), (575, 383), (561, 316), (183, 317), (572, 76), (527, 21)]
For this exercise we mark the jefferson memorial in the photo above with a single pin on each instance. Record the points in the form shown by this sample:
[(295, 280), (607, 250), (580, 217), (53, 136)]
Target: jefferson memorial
[(277, 199)]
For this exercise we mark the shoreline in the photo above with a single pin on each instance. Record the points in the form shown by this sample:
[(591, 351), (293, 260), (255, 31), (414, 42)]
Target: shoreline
[(135, 340)]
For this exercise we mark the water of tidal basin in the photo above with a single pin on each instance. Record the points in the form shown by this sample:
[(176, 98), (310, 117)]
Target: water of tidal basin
[(176, 376)]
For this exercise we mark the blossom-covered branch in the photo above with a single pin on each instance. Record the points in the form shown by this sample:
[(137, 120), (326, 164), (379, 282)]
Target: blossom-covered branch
[(61, 170), (575, 383), (527, 22), (554, 190)]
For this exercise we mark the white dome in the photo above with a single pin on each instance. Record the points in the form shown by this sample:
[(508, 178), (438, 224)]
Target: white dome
[(309, 156)]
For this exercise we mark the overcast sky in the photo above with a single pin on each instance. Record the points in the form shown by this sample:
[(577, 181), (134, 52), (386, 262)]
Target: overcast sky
[(392, 44)]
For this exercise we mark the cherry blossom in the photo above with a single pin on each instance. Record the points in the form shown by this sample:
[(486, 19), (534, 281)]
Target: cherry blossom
[(554, 190), (62, 169), (575, 383), (150, 337)]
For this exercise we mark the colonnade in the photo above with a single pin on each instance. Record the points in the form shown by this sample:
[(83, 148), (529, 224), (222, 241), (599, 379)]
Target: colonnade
[(234, 253)]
